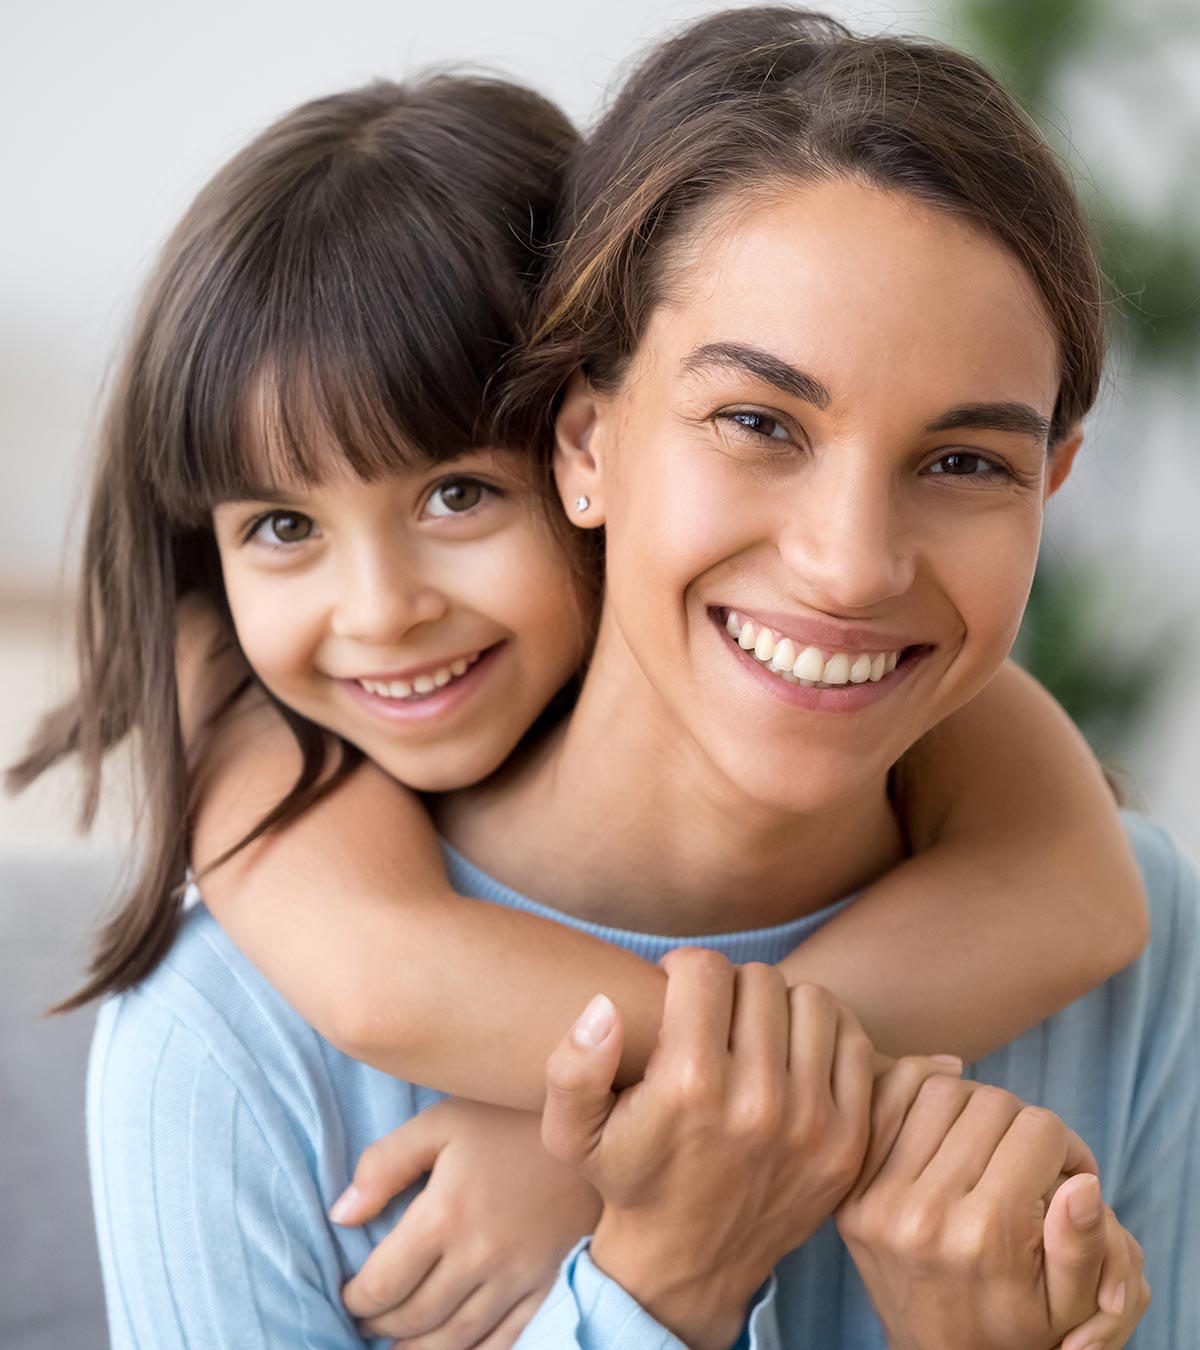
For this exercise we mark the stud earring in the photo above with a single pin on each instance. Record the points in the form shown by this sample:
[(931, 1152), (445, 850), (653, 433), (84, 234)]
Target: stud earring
[(582, 503)]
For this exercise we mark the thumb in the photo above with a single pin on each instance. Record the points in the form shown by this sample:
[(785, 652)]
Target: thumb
[(579, 1083), (1074, 1234), (389, 1166)]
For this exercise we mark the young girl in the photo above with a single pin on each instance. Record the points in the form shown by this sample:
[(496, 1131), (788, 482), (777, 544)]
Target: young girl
[(297, 438)]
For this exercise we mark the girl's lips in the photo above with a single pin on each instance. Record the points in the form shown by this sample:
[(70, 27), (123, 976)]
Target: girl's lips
[(847, 698), (440, 703)]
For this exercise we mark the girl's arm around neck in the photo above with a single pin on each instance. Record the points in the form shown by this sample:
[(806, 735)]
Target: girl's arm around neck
[(348, 911), (1026, 897), (1022, 895)]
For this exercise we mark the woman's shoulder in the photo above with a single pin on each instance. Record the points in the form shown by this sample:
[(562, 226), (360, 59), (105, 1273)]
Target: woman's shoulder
[(1173, 891)]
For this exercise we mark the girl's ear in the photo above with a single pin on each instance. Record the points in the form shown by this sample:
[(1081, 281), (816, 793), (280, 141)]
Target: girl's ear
[(1061, 459), (577, 462)]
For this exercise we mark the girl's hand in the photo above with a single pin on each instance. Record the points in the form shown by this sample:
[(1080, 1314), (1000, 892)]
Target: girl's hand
[(479, 1248), (749, 1127), (958, 1233)]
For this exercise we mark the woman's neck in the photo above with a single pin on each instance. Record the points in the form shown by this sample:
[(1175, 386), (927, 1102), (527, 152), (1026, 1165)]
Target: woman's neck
[(617, 817)]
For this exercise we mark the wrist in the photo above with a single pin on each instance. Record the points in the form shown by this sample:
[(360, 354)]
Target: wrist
[(705, 1307)]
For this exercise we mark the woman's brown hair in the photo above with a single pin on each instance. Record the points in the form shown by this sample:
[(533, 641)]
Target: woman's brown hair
[(353, 278), (748, 100)]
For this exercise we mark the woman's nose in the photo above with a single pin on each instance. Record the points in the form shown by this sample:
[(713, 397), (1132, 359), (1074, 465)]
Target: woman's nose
[(382, 595), (847, 545)]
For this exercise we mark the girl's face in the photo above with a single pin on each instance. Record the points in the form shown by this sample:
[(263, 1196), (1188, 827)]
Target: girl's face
[(822, 480), (427, 618)]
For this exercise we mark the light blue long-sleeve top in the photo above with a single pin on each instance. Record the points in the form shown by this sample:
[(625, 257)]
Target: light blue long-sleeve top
[(221, 1127)]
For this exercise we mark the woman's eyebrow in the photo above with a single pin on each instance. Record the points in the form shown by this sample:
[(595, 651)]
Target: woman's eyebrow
[(762, 364), (1018, 418)]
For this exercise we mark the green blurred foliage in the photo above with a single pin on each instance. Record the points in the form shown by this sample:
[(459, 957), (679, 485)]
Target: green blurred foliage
[(1153, 269)]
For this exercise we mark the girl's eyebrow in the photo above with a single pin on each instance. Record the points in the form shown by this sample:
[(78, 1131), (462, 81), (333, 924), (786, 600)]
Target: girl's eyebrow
[(264, 492)]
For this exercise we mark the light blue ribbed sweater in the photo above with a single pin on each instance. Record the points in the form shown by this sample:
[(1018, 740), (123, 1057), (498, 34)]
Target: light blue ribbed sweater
[(221, 1127)]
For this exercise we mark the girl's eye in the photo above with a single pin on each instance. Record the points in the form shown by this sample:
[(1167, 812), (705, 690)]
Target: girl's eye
[(456, 497), (283, 527), (966, 464), (758, 424)]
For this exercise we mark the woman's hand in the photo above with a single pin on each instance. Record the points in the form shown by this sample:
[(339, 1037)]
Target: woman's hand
[(478, 1249), (748, 1129), (958, 1231)]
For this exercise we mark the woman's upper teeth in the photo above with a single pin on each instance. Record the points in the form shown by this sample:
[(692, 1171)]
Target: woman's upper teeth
[(810, 665), (422, 684)]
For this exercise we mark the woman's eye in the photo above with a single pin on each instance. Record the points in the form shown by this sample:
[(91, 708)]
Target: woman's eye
[(759, 424), (283, 527), (456, 497), (964, 464)]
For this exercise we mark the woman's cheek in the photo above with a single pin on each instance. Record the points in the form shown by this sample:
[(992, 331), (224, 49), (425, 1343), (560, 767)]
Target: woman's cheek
[(986, 578)]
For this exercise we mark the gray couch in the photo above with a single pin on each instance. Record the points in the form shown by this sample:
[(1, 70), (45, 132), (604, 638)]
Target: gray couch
[(50, 1293)]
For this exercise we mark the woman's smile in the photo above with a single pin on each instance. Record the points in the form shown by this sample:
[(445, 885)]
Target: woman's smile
[(835, 678)]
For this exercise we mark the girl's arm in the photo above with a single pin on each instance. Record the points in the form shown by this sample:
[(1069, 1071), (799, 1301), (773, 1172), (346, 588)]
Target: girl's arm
[(349, 913)]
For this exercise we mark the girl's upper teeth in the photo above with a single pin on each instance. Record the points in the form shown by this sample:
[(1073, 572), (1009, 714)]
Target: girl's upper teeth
[(809, 665), (422, 684)]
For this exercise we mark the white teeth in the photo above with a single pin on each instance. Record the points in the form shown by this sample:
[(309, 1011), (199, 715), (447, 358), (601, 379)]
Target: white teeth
[(808, 667), (785, 656), (764, 647), (860, 671), (837, 669), (810, 664), (423, 684)]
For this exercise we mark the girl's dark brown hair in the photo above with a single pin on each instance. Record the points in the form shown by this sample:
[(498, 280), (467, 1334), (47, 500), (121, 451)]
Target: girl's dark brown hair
[(750, 100), (352, 279)]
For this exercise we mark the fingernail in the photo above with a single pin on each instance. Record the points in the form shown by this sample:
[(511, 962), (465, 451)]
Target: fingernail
[(951, 1063), (595, 1022), (345, 1205), (1117, 1303), (1084, 1204)]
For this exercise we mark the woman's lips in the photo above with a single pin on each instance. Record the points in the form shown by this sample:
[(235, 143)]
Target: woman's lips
[(855, 680)]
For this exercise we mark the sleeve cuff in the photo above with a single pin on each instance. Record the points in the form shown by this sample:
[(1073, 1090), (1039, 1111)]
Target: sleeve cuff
[(588, 1310)]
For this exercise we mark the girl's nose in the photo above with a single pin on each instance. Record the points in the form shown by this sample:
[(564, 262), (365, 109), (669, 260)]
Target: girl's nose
[(847, 544), (382, 596)]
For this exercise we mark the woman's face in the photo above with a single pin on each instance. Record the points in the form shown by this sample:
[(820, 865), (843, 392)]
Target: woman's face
[(822, 480), (427, 618)]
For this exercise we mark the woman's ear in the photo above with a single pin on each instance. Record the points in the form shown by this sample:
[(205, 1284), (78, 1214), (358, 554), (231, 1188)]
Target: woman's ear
[(1062, 456), (577, 462)]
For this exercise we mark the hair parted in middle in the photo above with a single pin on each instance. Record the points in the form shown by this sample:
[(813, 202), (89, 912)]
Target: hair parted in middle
[(748, 101)]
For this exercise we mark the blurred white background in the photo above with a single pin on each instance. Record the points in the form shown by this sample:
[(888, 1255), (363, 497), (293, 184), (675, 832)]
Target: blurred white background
[(115, 115)]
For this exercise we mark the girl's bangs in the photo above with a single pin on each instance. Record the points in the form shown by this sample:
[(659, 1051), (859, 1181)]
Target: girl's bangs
[(338, 340)]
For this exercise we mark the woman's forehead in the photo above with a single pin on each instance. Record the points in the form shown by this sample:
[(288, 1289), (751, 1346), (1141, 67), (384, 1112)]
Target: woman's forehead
[(871, 290)]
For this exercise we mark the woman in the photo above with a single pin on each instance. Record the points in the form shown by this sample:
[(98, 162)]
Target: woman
[(778, 331), (827, 322)]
